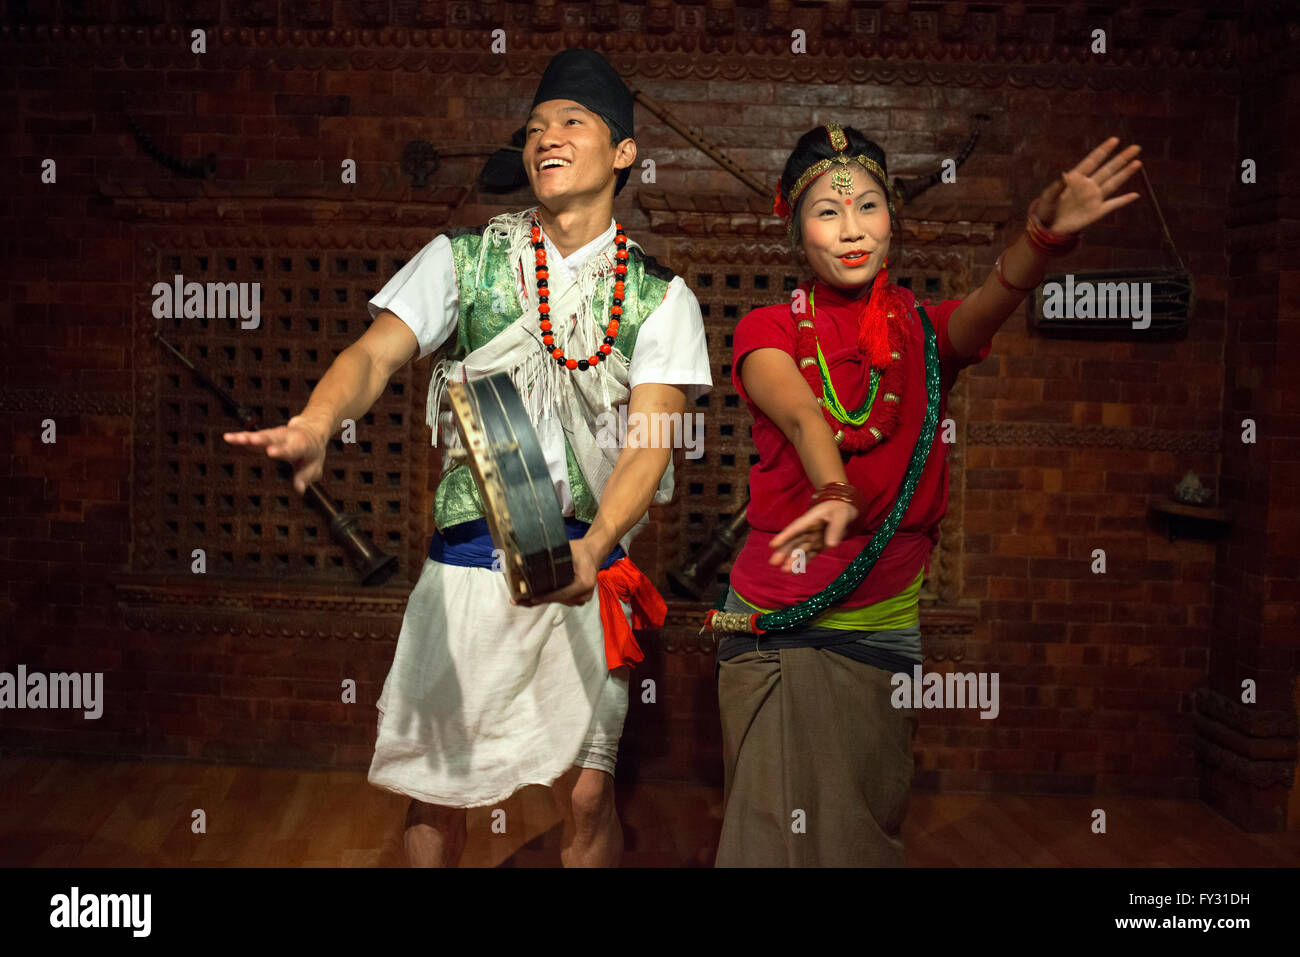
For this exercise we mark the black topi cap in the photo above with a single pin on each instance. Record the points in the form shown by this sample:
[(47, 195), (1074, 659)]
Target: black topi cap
[(586, 77)]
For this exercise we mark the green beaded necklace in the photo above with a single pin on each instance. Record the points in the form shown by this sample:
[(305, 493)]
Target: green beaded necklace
[(857, 416)]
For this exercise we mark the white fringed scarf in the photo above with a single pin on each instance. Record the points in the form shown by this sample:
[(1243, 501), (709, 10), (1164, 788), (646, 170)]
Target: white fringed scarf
[(576, 397)]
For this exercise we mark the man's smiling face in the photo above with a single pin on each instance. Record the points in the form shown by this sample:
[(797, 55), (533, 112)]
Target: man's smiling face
[(568, 154)]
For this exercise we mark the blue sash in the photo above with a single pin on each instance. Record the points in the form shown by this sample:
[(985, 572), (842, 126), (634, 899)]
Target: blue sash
[(469, 544)]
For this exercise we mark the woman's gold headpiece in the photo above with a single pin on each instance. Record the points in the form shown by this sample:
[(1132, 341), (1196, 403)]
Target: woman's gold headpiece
[(842, 178)]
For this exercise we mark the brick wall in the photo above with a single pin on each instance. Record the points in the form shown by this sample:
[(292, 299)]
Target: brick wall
[(1066, 441)]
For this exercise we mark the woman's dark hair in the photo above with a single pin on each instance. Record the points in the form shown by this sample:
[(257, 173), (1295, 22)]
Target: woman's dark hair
[(816, 145)]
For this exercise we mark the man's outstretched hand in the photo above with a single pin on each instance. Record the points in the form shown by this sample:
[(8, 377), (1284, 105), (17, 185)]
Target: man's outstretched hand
[(297, 443)]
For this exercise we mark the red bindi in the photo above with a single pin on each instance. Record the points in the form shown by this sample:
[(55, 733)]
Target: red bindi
[(848, 202)]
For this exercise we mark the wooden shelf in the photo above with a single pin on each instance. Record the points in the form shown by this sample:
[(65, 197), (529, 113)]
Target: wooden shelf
[(1187, 520)]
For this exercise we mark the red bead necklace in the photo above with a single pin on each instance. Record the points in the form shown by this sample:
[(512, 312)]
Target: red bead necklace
[(544, 308)]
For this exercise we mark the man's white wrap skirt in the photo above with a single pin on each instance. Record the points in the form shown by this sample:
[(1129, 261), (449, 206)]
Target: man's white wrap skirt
[(485, 697)]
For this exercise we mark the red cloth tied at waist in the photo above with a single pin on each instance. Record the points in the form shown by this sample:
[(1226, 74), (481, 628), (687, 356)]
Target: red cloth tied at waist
[(624, 582)]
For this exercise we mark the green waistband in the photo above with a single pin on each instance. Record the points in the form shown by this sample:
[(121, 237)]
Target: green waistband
[(891, 614)]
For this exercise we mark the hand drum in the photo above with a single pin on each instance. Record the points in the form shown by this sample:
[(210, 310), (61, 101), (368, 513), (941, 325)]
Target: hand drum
[(519, 500)]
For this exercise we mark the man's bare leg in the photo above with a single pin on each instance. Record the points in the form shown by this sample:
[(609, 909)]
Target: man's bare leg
[(435, 836), (593, 836)]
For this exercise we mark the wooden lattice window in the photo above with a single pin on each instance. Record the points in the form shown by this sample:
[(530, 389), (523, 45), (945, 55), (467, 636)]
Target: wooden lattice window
[(715, 486), (193, 490)]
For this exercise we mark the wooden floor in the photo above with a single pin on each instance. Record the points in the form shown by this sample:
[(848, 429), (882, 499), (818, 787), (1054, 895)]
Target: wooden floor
[(73, 813)]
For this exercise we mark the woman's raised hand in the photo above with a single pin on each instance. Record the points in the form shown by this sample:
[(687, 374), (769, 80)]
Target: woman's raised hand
[(1084, 194), (296, 443), (823, 526)]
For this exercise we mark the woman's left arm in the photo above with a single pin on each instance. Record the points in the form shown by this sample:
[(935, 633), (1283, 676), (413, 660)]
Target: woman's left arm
[(1075, 201)]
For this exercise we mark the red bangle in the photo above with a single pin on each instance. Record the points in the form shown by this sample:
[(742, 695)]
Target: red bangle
[(1003, 279), (1043, 239), (840, 492)]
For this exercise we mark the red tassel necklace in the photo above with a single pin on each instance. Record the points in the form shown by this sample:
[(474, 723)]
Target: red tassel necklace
[(882, 340)]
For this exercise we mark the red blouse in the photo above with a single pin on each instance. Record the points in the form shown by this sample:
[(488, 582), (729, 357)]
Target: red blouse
[(780, 491)]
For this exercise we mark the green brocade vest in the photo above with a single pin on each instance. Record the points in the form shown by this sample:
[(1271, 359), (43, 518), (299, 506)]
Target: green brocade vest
[(492, 306)]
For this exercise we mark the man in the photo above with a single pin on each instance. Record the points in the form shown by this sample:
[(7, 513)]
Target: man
[(486, 696)]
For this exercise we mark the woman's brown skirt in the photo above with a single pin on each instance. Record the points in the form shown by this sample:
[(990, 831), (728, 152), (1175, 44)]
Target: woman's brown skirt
[(818, 761)]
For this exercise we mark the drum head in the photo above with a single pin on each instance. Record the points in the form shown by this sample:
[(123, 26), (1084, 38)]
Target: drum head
[(514, 484)]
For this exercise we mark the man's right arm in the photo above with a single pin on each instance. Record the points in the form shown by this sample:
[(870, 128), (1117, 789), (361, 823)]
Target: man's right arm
[(413, 315), (356, 379)]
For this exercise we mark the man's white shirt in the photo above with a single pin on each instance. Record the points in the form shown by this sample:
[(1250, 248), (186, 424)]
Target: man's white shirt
[(670, 344)]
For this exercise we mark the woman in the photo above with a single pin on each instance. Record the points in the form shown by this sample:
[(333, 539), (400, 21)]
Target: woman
[(846, 384)]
